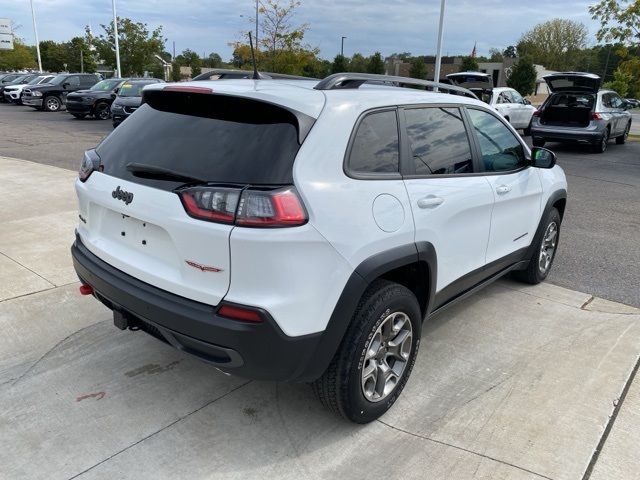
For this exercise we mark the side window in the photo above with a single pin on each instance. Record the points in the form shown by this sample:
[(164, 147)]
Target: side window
[(504, 98), (375, 147), (73, 81), (501, 150), (606, 100), (439, 142), (616, 101), (517, 98)]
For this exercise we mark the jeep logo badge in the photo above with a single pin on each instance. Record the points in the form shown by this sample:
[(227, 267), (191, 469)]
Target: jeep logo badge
[(123, 195)]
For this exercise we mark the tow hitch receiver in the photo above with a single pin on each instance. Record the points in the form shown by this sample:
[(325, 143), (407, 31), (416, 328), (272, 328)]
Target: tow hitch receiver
[(120, 321)]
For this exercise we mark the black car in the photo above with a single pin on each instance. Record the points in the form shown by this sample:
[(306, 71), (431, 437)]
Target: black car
[(96, 101), (129, 99), (52, 96), (19, 80)]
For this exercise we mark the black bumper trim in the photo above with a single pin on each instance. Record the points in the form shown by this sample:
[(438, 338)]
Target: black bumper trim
[(258, 351)]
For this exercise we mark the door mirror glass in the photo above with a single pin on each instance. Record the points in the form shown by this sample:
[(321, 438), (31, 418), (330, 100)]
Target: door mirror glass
[(542, 158), (527, 102)]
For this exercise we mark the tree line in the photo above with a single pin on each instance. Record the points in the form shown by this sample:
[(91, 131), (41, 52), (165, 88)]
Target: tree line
[(557, 44)]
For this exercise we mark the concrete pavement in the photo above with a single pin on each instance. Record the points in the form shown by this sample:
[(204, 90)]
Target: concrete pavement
[(517, 382)]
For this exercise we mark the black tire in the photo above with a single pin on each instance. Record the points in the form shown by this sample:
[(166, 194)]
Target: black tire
[(623, 138), (601, 146), (527, 131), (79, 115), (102, 111), (538, 142), (341, 387), (52, 103), (533, 273)]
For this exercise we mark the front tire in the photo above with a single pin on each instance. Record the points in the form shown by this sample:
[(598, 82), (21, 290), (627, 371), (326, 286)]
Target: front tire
[(376, 355), (102, 111), (52, 103), (546, 246)]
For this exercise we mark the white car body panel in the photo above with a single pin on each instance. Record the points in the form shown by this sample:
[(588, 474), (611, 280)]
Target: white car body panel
[(519, 114)]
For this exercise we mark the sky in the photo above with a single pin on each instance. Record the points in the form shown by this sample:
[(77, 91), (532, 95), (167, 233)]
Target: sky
[(386, 26)]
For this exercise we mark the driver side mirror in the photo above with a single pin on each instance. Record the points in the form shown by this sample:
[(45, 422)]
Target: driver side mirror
[(542, 158), (527, 102), (65, 85)]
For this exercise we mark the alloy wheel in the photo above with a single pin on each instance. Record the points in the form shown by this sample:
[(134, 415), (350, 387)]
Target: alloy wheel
[(53, 104), (102, 112), (387, 355), (548, 247)]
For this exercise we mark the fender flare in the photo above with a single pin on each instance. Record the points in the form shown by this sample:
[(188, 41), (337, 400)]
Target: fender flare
[(365, 273)]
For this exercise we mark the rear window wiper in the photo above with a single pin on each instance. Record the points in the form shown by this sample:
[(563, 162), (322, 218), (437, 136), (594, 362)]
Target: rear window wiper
[(160, 173)]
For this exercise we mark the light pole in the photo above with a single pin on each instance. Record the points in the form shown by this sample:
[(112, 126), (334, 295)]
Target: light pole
[(35, 31), (115, 35), (436, 75), (342, 46)]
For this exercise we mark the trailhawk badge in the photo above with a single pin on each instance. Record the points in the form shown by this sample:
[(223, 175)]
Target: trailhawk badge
[(126, 197), (204, 268)]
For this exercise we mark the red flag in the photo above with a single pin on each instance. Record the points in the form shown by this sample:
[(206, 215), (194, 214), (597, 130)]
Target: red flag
[(473, 52)]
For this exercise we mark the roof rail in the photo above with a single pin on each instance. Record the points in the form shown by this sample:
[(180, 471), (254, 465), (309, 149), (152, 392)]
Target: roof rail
[(354, 80)]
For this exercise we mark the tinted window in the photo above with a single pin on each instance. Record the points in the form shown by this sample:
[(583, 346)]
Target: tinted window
[(616, 101), (500, 148), (439, 143), (375, 145), (106, 85), (133, 89), (210, 137), (73, 81)]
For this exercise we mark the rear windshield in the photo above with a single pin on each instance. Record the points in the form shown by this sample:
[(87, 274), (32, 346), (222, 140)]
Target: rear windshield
[(133, 89), (215, 138), (106, 85)]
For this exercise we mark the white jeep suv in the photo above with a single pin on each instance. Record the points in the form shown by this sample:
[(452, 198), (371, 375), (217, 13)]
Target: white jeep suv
[(303, 231)]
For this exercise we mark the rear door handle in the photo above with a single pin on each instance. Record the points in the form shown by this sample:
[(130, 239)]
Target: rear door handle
[(502, 189), (430, 201)]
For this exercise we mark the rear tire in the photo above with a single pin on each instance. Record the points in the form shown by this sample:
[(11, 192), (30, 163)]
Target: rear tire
[(546, 246), (376, 355), (623, 138), (601, 146), (538, 142)]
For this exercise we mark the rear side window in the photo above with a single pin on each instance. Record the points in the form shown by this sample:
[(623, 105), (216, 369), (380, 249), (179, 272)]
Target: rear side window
[(215, 138), (439, 142), (501, 150), (375, 147)]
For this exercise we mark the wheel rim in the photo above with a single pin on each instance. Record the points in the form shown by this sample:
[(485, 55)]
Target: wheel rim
[(548, 247), (387, 355), (103, 112), (53, 103)]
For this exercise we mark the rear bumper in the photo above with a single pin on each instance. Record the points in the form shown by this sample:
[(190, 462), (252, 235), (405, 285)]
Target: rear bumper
[(551, 134), (258, 351)]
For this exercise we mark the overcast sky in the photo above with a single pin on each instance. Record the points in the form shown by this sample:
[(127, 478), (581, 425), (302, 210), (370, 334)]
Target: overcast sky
[(375, 25)]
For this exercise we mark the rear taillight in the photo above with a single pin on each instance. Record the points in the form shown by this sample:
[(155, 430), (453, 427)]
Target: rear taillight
[(90, 163), (215, 204), (536, 113), (249, 207), (596, 116)]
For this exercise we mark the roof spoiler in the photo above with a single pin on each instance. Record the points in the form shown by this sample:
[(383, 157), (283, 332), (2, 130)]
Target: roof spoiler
[(339, 81)]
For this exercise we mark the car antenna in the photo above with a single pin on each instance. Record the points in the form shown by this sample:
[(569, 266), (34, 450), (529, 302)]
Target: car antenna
[(256, 75)]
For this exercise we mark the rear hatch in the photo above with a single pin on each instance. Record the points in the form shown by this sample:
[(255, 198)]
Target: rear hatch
[(479, 83), (573, 82), (133, 207)]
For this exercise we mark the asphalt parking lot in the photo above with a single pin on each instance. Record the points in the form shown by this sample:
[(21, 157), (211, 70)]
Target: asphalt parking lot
[(516, 382), (600, 244)]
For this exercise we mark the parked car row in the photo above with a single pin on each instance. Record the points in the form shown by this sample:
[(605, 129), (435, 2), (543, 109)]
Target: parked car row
[(576, 111), (83, 94)]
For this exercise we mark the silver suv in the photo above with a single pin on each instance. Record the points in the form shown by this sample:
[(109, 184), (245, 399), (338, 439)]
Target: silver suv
[(577, 111)]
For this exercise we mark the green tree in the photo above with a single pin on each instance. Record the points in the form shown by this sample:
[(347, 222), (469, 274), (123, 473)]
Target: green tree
[(138, 45), (632, 67), (317, 69), (404, 56), (340, 64), (510, 52), (212, 61), (175, 72), (418, 68), (556, 44), (469, 64), (495, 55), (53, 56), (621, 82), (72, 50), (358, 63), (189, 58), (278, 34), (375, 64), (17, 59), (619, 20), (523, 76)]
